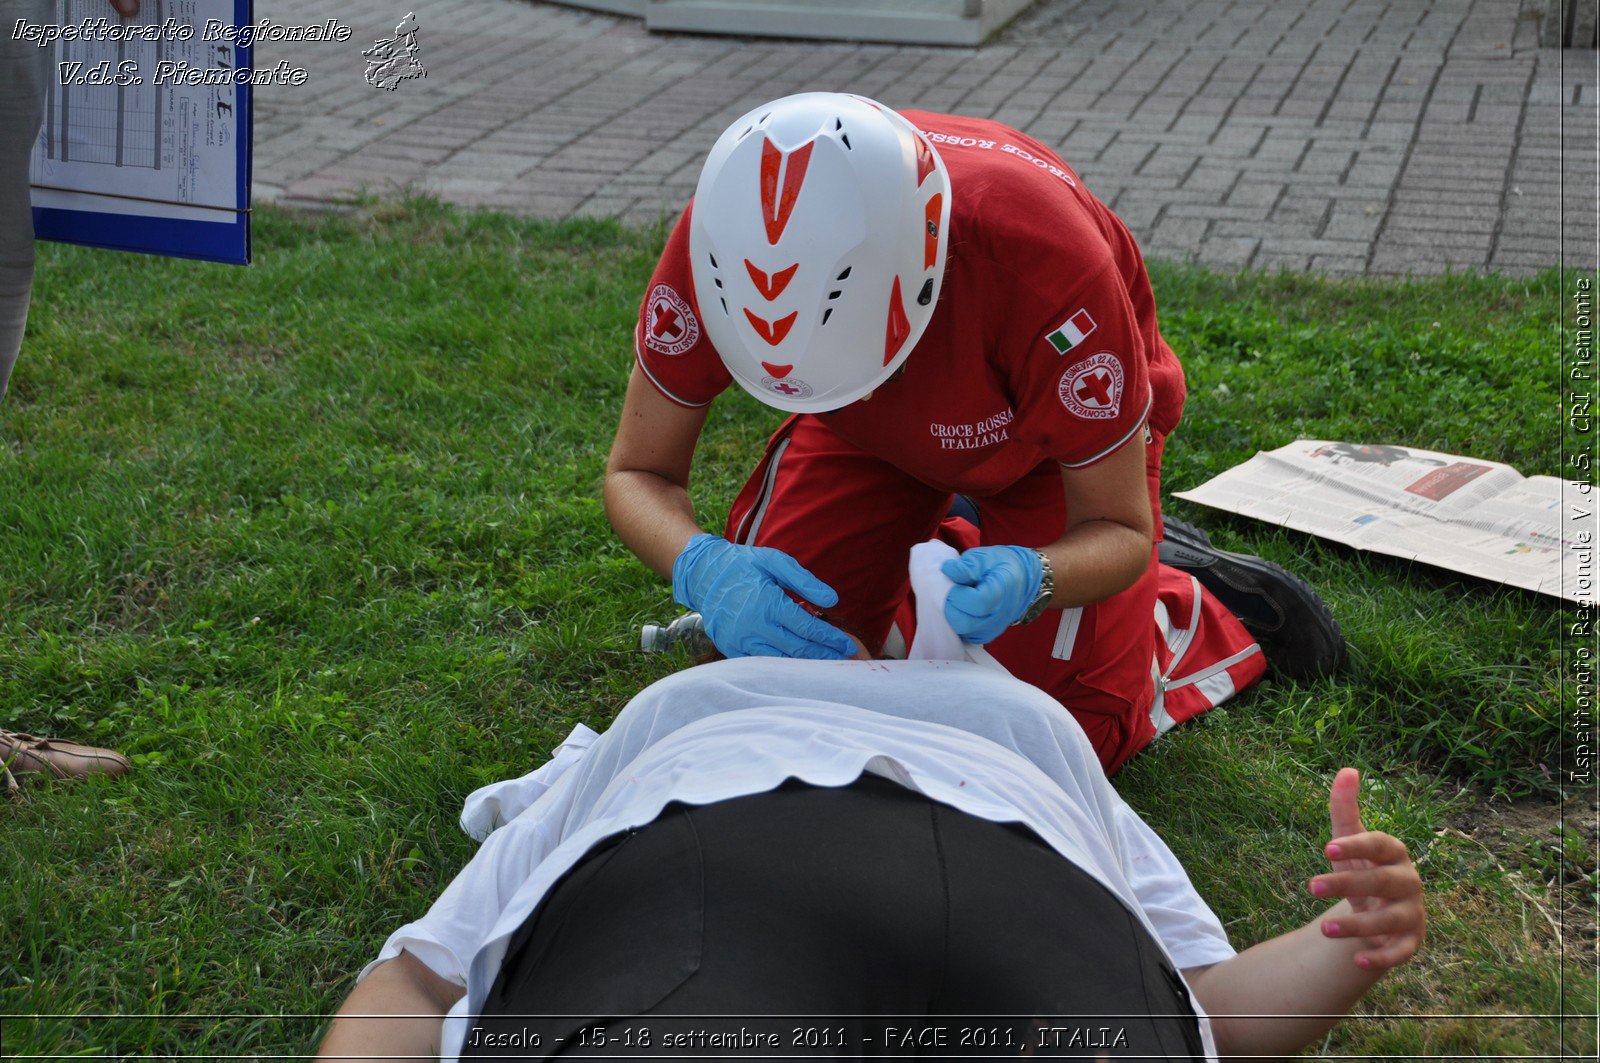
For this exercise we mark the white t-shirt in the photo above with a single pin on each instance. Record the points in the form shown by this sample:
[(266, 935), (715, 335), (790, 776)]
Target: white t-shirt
[(959, 733)]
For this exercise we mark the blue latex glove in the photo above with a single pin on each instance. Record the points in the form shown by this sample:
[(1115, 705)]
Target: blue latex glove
[(994, 587), (739, 592)]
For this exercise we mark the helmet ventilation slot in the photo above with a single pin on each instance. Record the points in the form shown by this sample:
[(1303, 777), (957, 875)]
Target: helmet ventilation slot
[(827, 311), (717, 280)]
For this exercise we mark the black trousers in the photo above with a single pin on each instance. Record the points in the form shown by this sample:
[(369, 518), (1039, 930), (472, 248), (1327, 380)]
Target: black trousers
[(853, 922)]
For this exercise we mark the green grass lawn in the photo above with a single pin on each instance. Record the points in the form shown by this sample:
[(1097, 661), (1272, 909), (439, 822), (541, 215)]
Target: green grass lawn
[(320, 544)]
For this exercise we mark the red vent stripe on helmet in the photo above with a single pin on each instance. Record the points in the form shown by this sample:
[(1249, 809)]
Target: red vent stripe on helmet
[(930, 230), (778, 372), (898, 328), (772, 331), (771, 286), (777, 205)]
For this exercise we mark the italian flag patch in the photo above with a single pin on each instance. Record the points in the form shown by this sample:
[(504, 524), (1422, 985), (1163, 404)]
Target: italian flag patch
[(1072, 332)]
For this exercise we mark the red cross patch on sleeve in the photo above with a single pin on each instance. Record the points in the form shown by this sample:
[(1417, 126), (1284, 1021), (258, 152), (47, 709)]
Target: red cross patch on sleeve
[(1092, 389), (670, 325)]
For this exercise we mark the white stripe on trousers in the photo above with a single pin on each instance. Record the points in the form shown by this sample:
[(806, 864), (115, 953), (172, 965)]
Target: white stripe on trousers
[(1212, 681)]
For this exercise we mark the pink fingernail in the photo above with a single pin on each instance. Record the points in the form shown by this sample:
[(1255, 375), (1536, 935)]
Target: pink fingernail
[(1331, 929), (1363, 962), (1319, 888), (1334, 852)]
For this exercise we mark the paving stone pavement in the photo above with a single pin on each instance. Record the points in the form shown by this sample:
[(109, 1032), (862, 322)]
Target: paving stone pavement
[(1337, 136)]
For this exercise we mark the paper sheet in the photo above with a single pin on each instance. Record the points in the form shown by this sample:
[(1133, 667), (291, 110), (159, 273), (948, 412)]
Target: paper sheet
[(160, 148), (1480, 518), (125, 136)]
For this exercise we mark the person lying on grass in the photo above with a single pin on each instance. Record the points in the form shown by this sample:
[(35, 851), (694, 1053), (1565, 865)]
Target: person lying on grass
[(894, 856)]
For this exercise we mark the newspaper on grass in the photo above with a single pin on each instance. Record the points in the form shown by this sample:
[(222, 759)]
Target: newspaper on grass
[(1476, 517)]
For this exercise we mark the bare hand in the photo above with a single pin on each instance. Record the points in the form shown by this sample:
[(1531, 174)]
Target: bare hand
[(126, 8), (1374, 873)]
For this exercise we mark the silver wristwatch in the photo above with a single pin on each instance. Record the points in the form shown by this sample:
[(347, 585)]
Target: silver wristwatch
[(1047, 590)]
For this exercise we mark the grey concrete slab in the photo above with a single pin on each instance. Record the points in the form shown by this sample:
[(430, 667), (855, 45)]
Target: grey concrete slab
[(1341, 136)]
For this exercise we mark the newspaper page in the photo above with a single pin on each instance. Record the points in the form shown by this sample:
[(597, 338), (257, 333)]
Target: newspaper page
[(1467, 515)]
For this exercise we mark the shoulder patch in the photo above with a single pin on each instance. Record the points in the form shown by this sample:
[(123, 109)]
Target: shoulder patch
[(1073, 331), (1092, 389), (670, 325)]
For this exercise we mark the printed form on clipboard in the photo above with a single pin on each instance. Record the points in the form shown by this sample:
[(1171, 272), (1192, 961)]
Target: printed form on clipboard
[(136, 153)]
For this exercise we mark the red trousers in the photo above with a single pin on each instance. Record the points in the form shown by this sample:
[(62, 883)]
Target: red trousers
[(1127, 668)]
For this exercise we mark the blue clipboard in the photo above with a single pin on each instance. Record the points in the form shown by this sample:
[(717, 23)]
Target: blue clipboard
[(225, 240)]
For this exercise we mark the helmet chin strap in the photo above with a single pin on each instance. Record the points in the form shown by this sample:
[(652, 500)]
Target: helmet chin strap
[(892, 378)]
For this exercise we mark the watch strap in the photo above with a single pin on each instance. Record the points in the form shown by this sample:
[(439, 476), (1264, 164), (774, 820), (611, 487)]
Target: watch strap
[(1047, 591)]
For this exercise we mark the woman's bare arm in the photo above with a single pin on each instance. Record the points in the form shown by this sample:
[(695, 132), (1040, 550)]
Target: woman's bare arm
[(1314, 975), (1106, 546), (647, 475), (396, 1012)]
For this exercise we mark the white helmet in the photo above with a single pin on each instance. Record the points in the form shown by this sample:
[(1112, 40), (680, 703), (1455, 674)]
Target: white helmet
[(817, 245)]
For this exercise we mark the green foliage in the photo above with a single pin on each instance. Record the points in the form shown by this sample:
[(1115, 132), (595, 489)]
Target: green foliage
[(1563, 858), (320, 544)]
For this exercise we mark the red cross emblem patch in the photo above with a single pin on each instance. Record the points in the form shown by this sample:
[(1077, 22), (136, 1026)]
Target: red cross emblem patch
[(787, 387), (1092, 389), (670, 327)]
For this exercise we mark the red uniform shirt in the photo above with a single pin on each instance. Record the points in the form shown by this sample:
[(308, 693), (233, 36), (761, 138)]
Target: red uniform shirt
[(1043, 345)]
